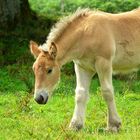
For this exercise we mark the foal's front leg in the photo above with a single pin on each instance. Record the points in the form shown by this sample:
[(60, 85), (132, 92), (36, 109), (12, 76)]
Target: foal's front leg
[(83, 79)]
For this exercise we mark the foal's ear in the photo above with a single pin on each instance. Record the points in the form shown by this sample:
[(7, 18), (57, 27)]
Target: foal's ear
[(34, 49), (53, 50)]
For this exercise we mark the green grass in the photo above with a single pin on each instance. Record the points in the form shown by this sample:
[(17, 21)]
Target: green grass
[(22, 118)]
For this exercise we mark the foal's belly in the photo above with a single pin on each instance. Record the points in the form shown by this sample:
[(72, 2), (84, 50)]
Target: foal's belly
[(125, 70), (123, 62), (120, 66), (126, 62)]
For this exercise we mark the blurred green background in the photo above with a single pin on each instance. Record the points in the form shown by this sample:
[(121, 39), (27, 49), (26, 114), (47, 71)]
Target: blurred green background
[(14, 42)]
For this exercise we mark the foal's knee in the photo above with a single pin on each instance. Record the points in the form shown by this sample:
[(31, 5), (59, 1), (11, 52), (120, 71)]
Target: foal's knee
[(108, 93), (81, 95)]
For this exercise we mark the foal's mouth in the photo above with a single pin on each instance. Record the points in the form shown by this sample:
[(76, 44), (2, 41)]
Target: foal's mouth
[(41, 100), (41, 97)]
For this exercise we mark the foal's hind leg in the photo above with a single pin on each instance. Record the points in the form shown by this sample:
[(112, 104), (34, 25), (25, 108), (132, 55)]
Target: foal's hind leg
[(104, 70), (83, 79)]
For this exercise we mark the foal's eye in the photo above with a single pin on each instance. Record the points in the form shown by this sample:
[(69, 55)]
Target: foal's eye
[(49, 71)]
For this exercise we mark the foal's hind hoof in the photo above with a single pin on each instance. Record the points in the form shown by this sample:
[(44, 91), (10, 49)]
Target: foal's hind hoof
[(114, 124), (114, 127), (75, 126)]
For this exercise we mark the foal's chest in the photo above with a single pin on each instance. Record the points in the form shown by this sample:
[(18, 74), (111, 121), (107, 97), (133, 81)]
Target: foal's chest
[(86, 64)]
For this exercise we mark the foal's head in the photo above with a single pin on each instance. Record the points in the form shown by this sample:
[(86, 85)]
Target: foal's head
[(46, 71)]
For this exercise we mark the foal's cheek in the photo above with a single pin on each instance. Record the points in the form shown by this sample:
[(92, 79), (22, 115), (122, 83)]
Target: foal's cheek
[(57, 75), (53, 80)]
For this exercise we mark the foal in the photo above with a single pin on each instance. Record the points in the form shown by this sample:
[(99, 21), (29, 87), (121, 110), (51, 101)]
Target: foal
[(97, 42)]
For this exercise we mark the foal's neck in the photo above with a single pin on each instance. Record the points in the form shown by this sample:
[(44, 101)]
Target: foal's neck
[(68, 46)]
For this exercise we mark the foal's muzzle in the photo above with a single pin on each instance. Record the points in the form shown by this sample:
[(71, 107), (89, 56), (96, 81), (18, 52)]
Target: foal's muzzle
[(41, 97)]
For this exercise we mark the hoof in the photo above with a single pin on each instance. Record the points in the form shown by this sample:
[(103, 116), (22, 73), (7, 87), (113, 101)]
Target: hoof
[(114, 127), (74, 125)]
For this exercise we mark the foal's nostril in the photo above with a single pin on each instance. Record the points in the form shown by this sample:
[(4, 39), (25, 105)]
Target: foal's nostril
[(40, 99)]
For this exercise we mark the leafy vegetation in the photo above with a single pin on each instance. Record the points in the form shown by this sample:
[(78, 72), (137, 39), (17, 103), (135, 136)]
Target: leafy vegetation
[(53, 8)]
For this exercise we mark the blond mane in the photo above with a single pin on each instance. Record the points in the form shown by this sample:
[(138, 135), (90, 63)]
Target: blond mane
[(58, 29)]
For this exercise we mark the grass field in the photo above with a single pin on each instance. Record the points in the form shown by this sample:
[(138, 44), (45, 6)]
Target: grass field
[(23, 119)]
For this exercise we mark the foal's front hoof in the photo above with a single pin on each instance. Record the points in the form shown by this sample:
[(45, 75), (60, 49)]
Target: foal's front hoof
[(74, 125)]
